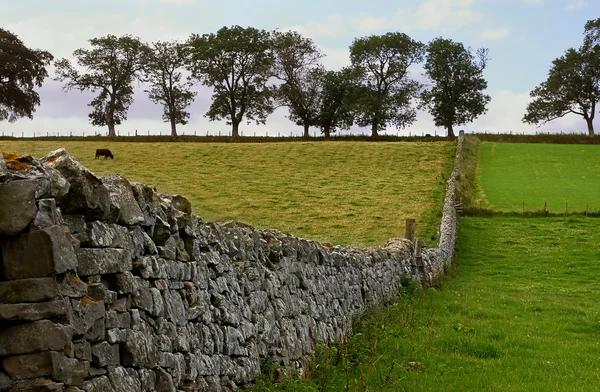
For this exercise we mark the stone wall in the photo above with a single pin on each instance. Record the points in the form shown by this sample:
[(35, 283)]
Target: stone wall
[(106, 285)]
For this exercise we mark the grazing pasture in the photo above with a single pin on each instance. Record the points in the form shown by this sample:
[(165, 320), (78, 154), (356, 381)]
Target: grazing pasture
[(513, 173), (356, 193), (519, 312)]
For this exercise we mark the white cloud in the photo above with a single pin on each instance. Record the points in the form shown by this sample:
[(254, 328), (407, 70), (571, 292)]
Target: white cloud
[(54, 32), (367, 23), (333, 25), (576, 5), (442, 15), (493, 34)]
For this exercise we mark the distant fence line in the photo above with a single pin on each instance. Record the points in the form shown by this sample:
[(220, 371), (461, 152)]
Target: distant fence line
[(22, 134), (291, 134), (542, 210)]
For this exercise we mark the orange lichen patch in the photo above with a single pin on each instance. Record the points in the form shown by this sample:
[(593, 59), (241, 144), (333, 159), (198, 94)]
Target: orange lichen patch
[(16, 161), (51, 160), (44, 380), (74, 278), (87, 300)]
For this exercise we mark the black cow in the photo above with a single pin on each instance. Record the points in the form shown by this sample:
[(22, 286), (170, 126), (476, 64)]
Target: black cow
[(104, 152)]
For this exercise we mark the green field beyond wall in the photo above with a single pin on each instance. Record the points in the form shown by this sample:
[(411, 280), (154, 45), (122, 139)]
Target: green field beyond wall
[(513, 173)]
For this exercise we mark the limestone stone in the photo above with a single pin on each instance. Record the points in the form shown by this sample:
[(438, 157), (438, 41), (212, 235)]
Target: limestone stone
[(59, 186), (38, 254), (118, 320), (99, 235), (71, 286), (17, 199), (76, 222), (5, 381), (164, 381), (123, 204), (37, 385), (98, 384), (147, 379), (28, 290), (35, 365), (105, 354), (32, 311), (32, 337), (82, 349), (140, 347), (174, 307), (47, 215), (124, 379), (94, 261), (87, 195), (97, 331), (86, 311), (116, 335)]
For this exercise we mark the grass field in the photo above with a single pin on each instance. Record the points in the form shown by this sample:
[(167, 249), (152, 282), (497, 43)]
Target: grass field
[(340, 192), (518, 313), (513, 173)]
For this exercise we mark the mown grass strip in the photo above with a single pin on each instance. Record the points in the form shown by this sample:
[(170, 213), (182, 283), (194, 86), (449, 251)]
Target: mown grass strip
[(339, 192)]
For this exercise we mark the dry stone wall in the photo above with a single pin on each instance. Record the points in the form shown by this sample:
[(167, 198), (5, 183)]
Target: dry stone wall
[(106, 285)]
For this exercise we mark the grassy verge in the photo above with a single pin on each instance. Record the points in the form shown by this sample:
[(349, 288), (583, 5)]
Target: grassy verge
[(512, 173), (518, 313), (345, 193)]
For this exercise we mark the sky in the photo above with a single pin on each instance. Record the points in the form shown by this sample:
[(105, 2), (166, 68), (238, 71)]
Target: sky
[(523, 37)]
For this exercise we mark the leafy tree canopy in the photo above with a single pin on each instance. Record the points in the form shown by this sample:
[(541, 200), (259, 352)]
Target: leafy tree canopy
[(455, 96), (337, 100), (111, 67), (162, 70), (387, 90), (297, 65), (21, 69), (237, 63), (573, 84)]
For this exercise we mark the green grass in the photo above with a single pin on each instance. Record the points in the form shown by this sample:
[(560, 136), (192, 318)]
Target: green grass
[(513, 173), (519, 312), (354, 193)]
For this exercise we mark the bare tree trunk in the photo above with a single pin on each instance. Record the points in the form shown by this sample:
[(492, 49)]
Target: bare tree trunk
[(111, 129), (110, 118), (306, 133), (235, 128), (327, 131), (173, 127), (450, 130), (374, 129), (590, 125)]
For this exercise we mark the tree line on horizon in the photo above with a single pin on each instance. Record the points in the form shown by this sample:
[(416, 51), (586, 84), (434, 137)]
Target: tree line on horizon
[(252, 72)]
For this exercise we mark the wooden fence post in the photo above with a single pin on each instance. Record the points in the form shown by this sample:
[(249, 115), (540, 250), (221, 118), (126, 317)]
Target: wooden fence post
[(544, 208), (409, 232)]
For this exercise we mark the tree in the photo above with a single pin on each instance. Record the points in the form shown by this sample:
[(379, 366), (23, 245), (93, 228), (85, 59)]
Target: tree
[(573, 84), (337, 98), (297, 65), (386, 88), (111, 66), (162, 70), (21, 69), (456, 95), (237, 63)]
